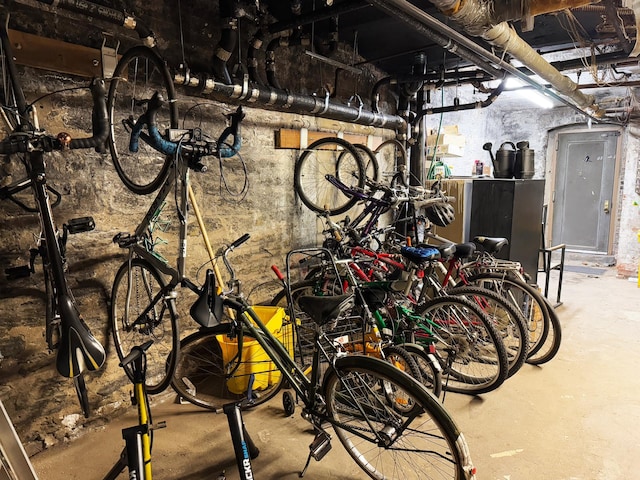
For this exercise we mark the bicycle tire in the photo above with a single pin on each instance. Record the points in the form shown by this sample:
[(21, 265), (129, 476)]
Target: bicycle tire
[(506, 317), (160, 323), (528, 300), (320, 159), (200, 376), (430, 369), (387, 442), (370, 162), (395, 166), (474, 359), (137, 76), (548, 349), (83, 396)]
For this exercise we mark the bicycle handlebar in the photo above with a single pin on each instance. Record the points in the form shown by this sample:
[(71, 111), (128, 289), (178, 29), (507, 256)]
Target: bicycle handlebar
[(22, 142), (168, 147)]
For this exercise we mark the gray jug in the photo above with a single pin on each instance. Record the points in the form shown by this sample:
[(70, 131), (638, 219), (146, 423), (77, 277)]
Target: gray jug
[(525, 161)]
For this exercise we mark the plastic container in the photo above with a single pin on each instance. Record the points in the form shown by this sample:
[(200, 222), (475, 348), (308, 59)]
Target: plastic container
[(255, 360)]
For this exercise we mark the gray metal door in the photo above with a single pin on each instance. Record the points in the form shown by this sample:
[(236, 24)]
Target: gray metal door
[(583, 193)]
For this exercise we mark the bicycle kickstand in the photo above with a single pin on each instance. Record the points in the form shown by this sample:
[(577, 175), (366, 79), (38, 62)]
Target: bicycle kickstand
[(244, 448)]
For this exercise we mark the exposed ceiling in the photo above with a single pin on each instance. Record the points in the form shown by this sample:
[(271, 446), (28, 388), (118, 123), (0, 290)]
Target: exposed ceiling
[(581, 41)]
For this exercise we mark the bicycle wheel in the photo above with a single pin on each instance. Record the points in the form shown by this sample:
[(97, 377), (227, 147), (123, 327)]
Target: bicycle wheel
[(81, 392), (392, 159), (474, 359), (321, 159), (528, 300), (429, 366), (370, 162), (139, 312), (139, 74), (203, 378), (548, 349), (362, 395), (506, 317)]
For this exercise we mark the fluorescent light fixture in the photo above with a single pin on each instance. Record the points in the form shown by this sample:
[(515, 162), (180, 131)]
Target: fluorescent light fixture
[(532, 95)]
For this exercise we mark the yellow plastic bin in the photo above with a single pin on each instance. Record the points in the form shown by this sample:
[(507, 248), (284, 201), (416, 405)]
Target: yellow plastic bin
[(254, 359)]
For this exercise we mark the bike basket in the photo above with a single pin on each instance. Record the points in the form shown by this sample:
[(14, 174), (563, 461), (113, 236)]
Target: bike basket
[(255, 360)]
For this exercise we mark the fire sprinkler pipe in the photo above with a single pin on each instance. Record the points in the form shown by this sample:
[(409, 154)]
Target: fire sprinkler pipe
[(422, 21)]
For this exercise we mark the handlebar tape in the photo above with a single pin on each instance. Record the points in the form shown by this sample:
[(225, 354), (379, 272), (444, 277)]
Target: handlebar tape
[(99, 119), (154, 139), (224, 149), (240, 241)]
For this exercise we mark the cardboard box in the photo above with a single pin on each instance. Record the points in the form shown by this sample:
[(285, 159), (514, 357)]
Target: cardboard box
[(452, 129), (446, 151), (446, 139)]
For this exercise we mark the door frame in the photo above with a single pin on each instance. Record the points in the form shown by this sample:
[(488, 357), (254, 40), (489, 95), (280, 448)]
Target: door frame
[(553, 136)]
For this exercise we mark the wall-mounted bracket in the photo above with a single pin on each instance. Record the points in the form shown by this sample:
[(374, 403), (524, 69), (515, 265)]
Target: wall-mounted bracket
[(109, 54)]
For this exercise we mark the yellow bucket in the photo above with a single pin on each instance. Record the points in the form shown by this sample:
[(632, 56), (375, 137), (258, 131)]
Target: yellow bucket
[(255, 360)]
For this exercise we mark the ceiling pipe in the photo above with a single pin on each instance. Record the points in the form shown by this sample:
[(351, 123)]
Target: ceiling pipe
[(223, 51), (488, 20), (106, 14), (283, 101), (458, 44)]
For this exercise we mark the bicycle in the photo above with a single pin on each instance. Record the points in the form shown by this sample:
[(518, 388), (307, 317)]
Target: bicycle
[(78, 350), (391, 425), (141, 278)]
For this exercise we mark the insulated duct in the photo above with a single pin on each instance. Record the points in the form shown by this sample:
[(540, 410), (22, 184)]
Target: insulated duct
[(282, 101), (489, 21), (459, 45)]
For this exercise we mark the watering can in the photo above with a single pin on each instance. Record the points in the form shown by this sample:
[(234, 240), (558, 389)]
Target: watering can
[(504, 161)]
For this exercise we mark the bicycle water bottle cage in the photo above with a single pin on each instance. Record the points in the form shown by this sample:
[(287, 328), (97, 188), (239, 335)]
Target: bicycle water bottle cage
[(419, 255), (79, 350), (207, 309)]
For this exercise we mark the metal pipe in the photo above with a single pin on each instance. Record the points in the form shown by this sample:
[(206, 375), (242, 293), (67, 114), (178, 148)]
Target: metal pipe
[(404, 9), (318, 15), (283, 101), (106, 14)]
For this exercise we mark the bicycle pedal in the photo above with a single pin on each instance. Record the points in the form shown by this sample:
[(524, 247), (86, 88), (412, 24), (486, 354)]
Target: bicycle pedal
[(320, 445), (159, 425), (79, 225), (13, 273)]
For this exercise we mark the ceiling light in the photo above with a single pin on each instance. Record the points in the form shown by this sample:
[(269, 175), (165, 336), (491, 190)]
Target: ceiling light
[(532, 95)]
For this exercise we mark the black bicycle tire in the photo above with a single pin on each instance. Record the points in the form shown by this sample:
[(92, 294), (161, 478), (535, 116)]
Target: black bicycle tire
[(410, 366), (82, 394), (398, 144), (161, 361), (516, 322), (370, 162), (537, 343), (436, 428), (298, 175), (165, 76), (544, 355), (466, 383), (429, 366), (203, 346)]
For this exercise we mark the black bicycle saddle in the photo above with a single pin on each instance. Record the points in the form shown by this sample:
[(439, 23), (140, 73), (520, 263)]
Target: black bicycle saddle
[(79, 350)]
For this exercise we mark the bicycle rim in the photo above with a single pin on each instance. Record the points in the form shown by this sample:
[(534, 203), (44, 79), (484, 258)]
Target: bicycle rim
[(370, 162), (474, 358), (548, 349), (526, 298), (328, 156), (202, 374), (139, 74), (135, 285), (429, 366), (507, 319), (388, 442)]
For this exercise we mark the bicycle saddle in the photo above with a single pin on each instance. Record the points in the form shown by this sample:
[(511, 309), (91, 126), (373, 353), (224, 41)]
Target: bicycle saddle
[(464, 250), (79, 350), (323, 309), (491, 245), (420, 254)]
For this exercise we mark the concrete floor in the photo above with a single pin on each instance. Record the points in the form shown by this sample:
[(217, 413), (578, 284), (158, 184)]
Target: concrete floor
[(577, 417)]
